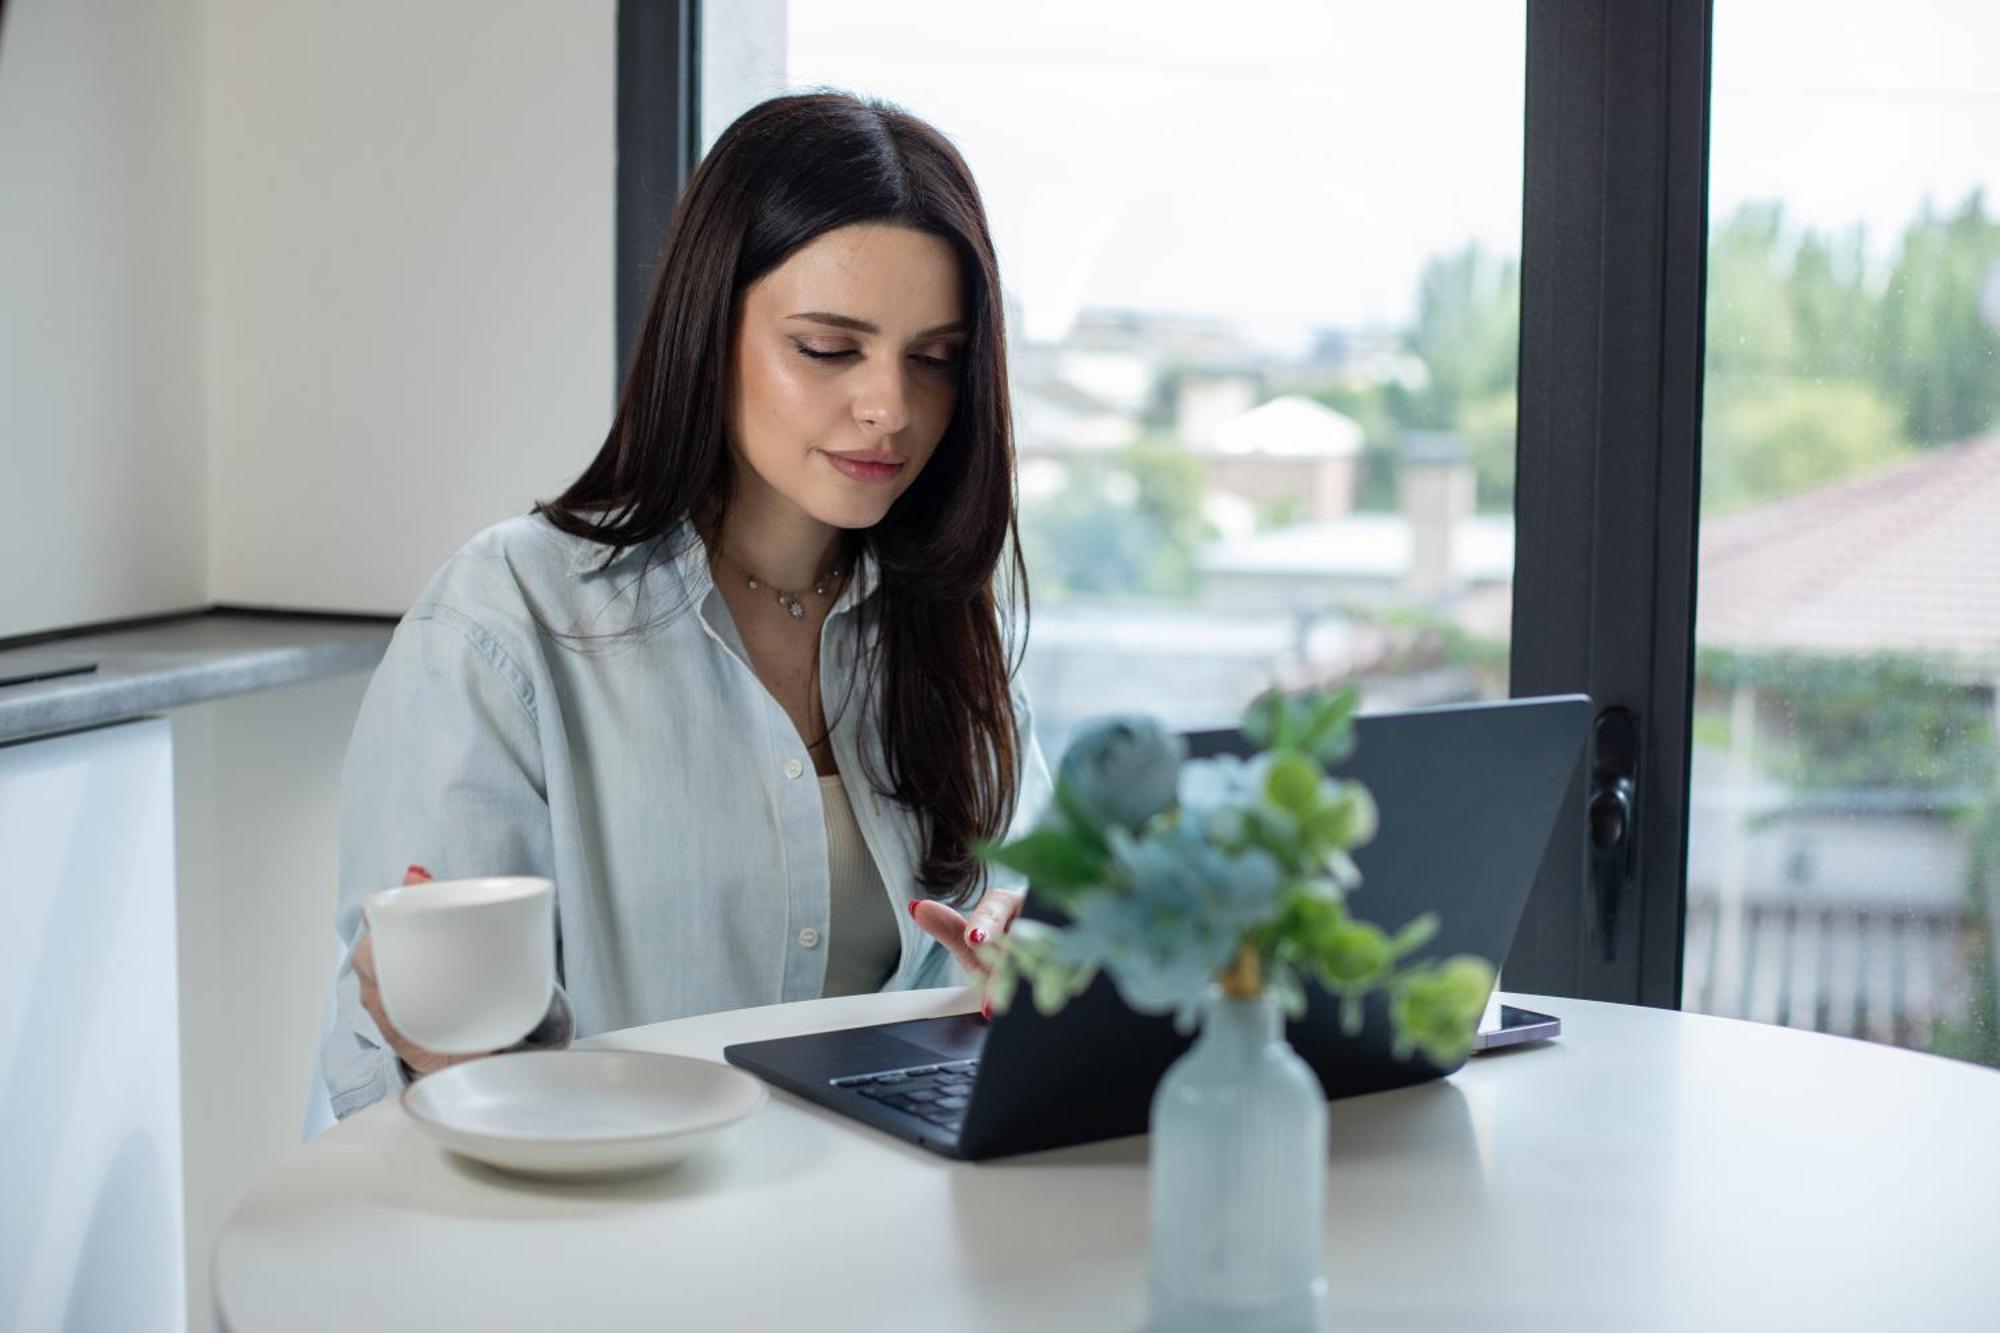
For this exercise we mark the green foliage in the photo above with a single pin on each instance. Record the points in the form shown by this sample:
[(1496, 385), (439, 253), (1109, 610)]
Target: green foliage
[(1819, 366), (1420, 639), (1817, 369), (1887, 722), (1938, 350), (1750, 328), (1320, 726), (1436, 1003), (1467, 330), (1487, 425), (1053, 859), (1250, 857), (1128, 521), (1468, 333), (1792, 436), (1831, 311), (1317, 937), (1977, 1036)]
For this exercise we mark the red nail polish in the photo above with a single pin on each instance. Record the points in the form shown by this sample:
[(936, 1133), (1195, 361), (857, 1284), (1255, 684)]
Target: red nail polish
[(986, 1010), (418, 870), (913, 905), (978, 936)]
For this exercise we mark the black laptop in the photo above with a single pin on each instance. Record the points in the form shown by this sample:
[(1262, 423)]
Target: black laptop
[(1471, 798)]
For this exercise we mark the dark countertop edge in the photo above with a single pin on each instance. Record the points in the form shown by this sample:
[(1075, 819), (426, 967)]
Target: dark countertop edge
[(296, 650)]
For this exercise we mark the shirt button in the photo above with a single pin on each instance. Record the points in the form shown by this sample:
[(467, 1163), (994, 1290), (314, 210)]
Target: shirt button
[(793, 768), (809, 938)]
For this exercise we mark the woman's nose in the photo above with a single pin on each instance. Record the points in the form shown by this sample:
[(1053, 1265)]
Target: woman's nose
[(884, 401)]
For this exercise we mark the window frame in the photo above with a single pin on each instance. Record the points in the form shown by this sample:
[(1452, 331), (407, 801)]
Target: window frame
[(1613, 261), (1613, 243), (658, 104)]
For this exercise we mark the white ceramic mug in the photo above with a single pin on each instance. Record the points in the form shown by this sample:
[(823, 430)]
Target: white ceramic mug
[(465, 966)]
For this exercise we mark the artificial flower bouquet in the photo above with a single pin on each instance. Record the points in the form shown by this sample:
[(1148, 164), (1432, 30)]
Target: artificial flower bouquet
[(1177, 874)]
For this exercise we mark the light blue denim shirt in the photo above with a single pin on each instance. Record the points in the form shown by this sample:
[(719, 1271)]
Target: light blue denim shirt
[(651, 776)]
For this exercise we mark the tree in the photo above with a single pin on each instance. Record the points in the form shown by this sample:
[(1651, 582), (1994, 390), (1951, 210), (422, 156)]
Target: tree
[(1833, 313), (1793, 388), (1750, 312), (1468, 333), (1938, 336), (1759, 444), (1127, 521)]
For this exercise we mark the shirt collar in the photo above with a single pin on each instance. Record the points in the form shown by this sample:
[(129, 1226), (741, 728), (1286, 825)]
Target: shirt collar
[(690, 562)]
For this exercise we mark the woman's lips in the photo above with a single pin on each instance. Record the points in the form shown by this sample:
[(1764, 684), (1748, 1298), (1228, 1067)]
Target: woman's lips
[(866, 467)]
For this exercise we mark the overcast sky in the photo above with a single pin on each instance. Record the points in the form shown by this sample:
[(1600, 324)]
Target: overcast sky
[(1291, 163)]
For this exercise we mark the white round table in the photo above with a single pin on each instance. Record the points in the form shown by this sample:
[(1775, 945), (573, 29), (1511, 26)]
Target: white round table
[(1649, 1170)]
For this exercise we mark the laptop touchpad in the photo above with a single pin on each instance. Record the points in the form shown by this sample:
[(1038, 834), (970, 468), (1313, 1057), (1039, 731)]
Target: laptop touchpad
[(958, 1037)]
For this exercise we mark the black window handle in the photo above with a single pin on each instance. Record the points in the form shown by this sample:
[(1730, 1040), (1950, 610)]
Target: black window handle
[(1613, 799)]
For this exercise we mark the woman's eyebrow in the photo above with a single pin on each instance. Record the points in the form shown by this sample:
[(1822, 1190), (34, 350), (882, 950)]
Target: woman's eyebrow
[(863, 326)]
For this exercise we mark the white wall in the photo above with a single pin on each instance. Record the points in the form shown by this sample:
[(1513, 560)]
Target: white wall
[(409, 259), (294, 297), (101, 378)]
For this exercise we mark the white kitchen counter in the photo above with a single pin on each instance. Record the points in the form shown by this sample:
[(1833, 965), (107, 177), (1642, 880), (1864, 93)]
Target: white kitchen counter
[(178, 660)]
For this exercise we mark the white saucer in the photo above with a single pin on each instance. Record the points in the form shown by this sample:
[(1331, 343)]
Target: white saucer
[(581, 1113)]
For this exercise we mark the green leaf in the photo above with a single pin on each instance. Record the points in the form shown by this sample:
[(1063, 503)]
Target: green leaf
[(1340, 868), (1328, 735), (1351, 1012), (1275, 830), (1352, 954), (1415, 935), (1050, 858), (1436, 1007), (1280, 722), (1292, 784), (1348, 820)]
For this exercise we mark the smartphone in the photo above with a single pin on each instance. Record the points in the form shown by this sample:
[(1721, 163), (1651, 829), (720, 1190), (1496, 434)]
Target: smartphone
[(1517, 1027)]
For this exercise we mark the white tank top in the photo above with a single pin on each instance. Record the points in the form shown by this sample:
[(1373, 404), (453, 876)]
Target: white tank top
[(862, 946)]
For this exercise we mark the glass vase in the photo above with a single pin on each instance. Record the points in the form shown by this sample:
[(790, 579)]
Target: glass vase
[(1238, 1180)]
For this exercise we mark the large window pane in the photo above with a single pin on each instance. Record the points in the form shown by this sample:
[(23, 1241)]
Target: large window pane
[(1845, 819), (1260, 263)]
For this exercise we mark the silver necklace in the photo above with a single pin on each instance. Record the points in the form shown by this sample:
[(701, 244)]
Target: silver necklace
[(787, 599)]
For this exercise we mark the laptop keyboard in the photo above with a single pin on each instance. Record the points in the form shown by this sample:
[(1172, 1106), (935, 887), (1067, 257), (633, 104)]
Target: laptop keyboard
[(937, 1093)]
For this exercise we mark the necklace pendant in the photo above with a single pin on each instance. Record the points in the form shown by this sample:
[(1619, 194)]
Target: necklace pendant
[(797, 608)]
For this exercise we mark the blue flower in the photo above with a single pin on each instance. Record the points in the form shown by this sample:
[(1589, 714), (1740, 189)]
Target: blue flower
[(1174, 917), (1123, 770), (1216, 795)]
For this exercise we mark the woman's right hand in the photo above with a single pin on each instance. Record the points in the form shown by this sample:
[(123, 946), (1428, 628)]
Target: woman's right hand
[(413, 1055)]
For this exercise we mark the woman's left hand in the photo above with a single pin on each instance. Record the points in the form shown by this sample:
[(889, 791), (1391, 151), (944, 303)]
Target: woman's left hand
[(993, 915)]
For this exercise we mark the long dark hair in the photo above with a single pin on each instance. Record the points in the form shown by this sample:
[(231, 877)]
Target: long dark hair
[(786, 171)]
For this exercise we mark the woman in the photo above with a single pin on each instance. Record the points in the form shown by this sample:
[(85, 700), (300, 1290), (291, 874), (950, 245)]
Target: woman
[(783, 564)]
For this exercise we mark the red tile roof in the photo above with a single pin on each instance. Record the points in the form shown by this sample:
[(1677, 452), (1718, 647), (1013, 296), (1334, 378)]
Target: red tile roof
[(1905, 559)]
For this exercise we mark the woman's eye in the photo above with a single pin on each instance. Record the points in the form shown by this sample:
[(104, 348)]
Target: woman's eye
[(947, 362)]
